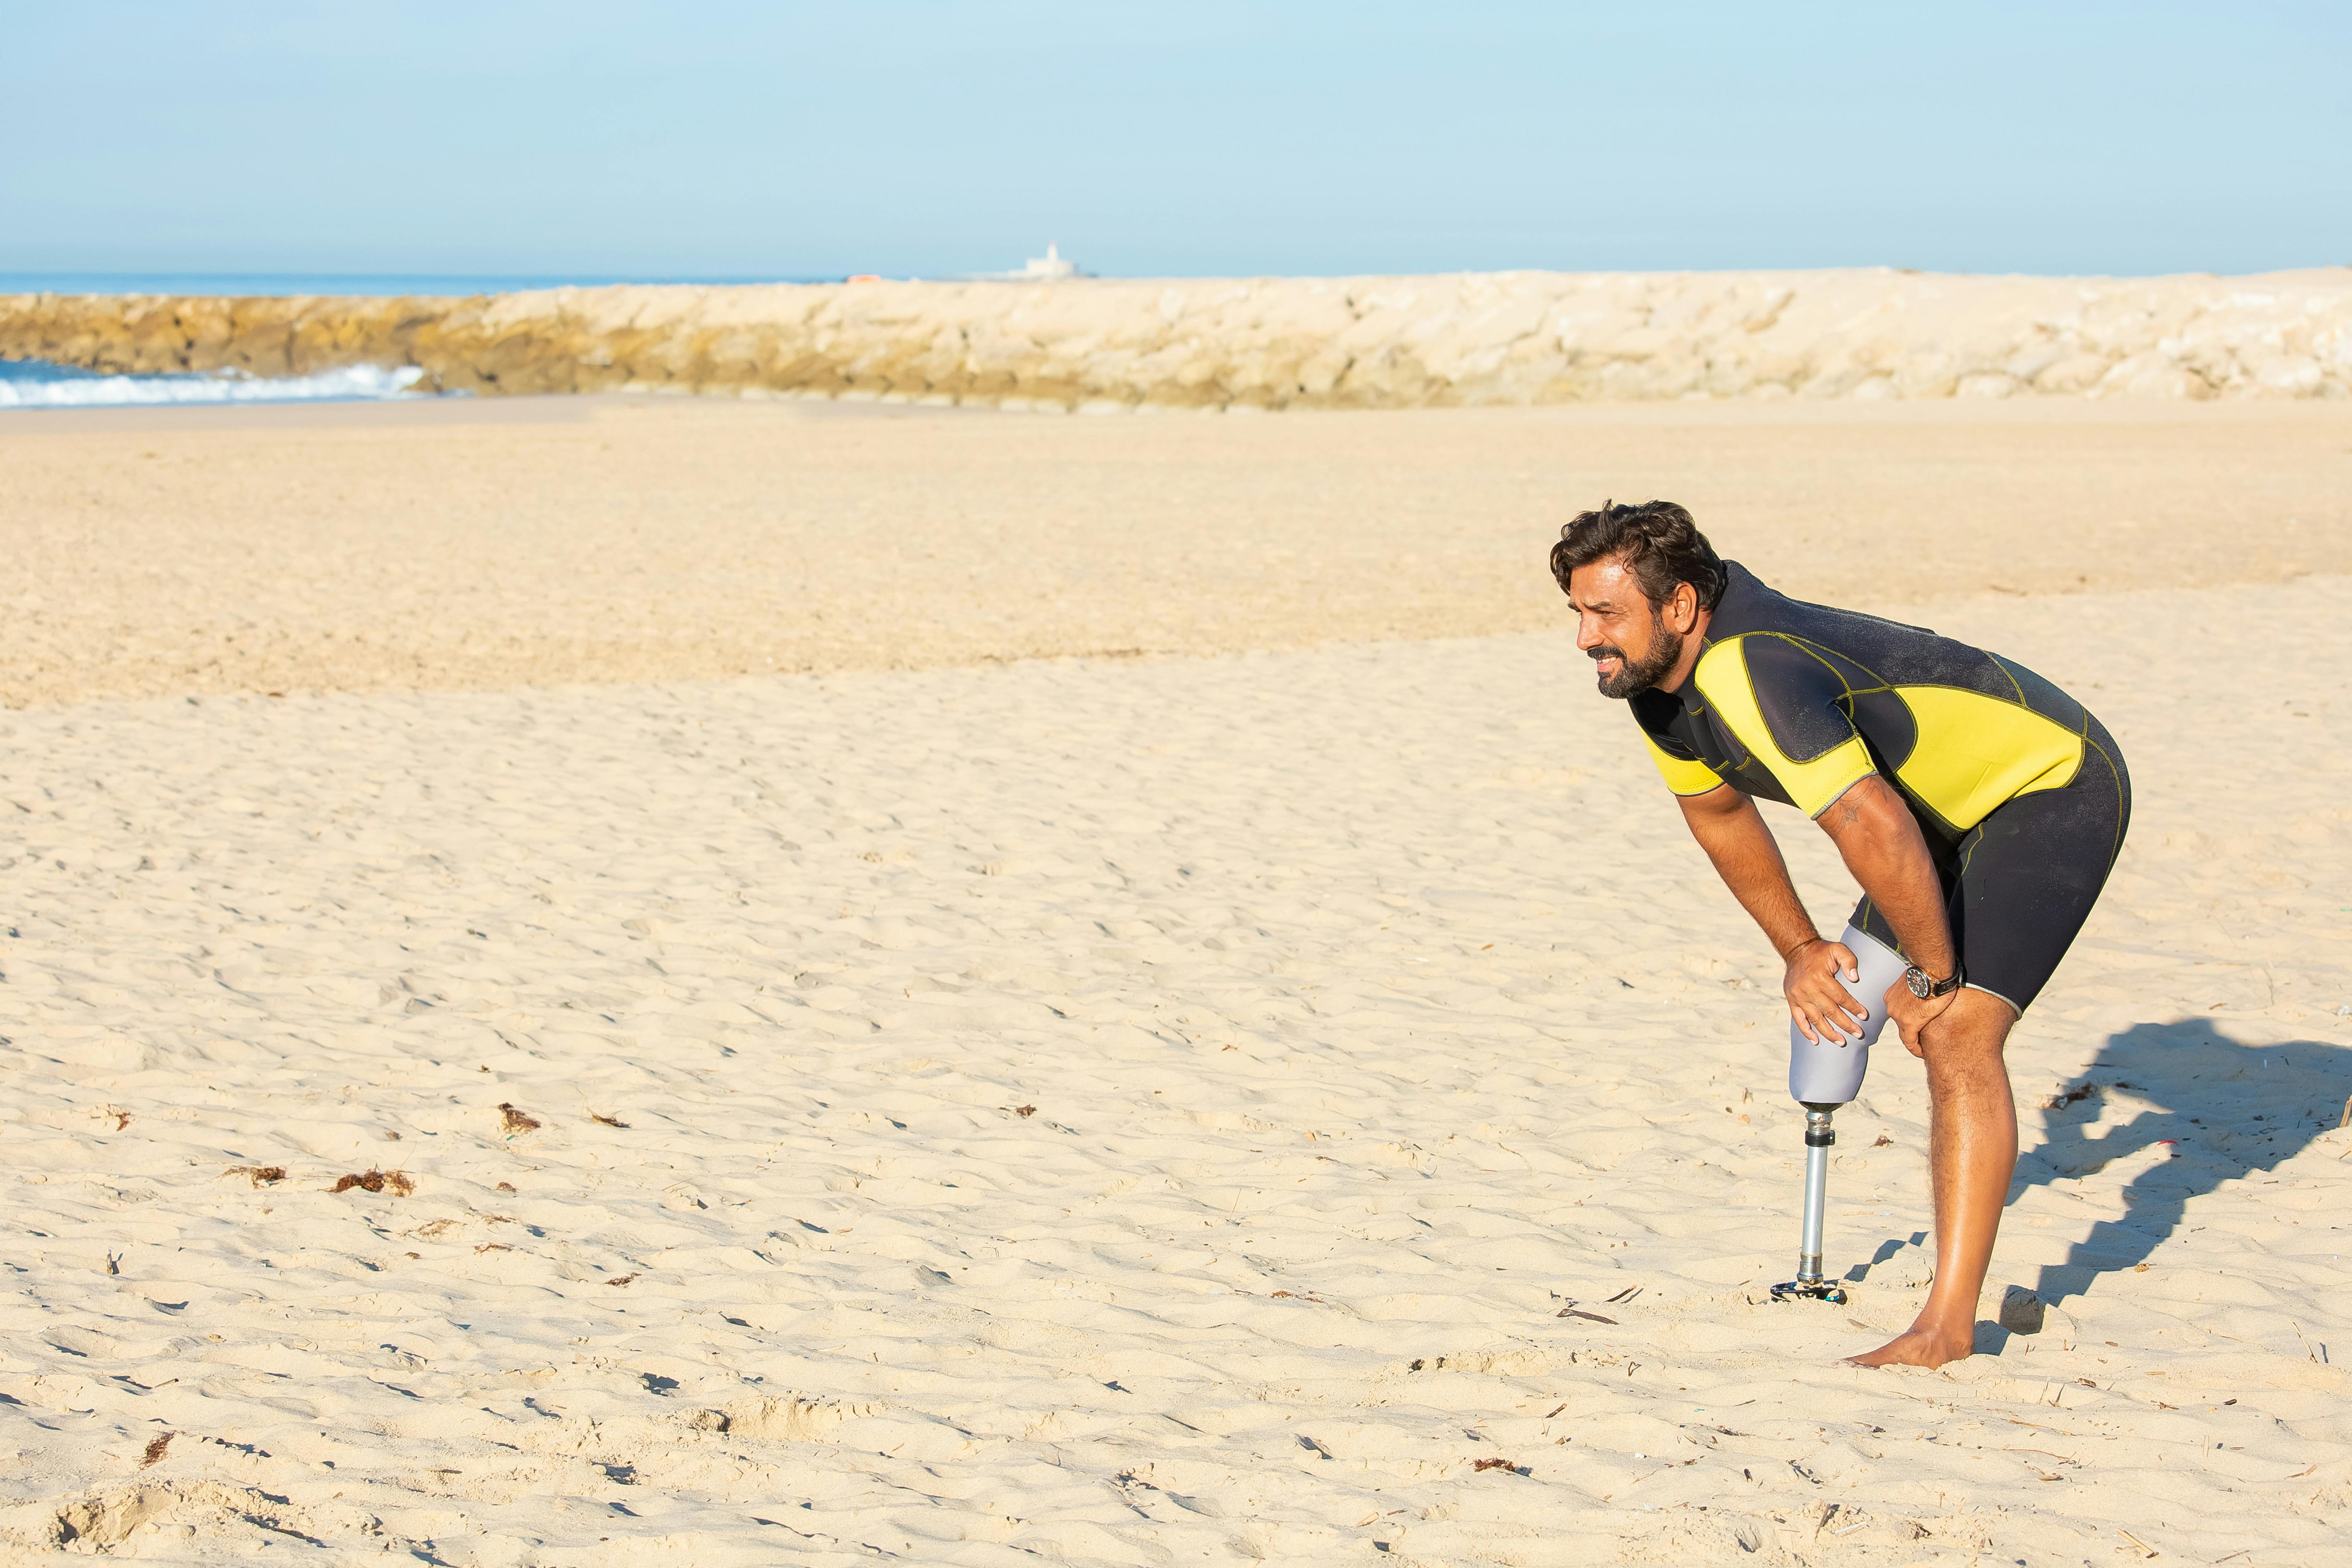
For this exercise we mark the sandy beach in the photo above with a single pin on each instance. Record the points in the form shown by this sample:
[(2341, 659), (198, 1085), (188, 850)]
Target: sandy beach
[(603, 981), (488, 542)]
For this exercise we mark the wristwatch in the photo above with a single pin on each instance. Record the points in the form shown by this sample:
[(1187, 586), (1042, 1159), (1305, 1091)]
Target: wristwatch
[(1926, 989)]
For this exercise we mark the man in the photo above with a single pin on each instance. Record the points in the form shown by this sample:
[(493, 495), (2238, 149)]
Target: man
[(1979, 807)]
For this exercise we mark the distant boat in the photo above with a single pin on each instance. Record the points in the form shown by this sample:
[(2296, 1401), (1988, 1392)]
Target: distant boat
[(1050, 266)]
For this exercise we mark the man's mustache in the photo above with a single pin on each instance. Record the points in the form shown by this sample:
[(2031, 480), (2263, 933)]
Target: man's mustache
[(1604, 651)]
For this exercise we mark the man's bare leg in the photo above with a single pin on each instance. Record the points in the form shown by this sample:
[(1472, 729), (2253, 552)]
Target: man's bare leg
[(1972, 1154)]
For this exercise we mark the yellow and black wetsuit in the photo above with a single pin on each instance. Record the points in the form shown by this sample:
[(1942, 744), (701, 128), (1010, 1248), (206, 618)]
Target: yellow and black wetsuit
[(2020, 793)]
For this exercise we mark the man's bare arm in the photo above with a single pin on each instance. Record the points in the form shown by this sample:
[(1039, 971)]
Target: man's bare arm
[(1880, 843), (1746, 856)]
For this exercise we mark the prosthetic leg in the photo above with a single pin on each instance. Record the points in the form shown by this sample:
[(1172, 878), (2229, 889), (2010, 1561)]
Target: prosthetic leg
[(1822, 1076)]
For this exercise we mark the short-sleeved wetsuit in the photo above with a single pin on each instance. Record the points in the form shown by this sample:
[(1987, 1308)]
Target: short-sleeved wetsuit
[(2020, 793)]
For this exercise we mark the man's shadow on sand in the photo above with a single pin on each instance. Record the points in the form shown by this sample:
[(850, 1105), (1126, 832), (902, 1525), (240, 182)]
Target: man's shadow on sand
[(2228, 1111)]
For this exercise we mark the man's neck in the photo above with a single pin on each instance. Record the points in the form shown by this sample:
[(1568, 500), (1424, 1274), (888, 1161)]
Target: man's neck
[(1693, 644)]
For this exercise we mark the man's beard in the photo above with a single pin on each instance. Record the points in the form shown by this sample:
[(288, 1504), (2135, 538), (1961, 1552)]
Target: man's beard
[(1665, 648)]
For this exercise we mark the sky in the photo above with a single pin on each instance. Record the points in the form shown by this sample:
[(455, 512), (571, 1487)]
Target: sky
[(596, 137)]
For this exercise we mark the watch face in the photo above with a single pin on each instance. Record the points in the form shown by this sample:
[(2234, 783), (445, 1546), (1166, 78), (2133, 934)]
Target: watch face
[(1916, 979)]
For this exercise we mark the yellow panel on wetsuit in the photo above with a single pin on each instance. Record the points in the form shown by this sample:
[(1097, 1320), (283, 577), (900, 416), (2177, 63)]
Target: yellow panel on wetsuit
[(1794, 702), (2023, 799), (1975, 751), (1683, 776), (1722, 677)]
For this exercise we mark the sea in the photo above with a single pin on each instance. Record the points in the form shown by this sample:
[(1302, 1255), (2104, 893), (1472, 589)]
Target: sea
[(28, 384)]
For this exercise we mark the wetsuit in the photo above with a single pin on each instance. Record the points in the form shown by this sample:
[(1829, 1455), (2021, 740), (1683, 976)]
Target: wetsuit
[(2019, 792)]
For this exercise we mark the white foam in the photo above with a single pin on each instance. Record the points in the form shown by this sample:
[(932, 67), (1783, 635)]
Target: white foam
[(71, 389)]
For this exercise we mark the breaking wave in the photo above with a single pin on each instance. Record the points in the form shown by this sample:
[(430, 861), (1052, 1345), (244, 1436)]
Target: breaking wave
[(36, 384)]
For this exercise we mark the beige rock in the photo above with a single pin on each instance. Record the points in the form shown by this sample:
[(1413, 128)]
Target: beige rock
[(2072, 373), (2152, 374), (1515, 338), (2291, 374), (1989, 383)]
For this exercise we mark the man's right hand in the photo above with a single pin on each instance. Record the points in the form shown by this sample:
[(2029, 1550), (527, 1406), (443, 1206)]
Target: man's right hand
[(1816, 1001)]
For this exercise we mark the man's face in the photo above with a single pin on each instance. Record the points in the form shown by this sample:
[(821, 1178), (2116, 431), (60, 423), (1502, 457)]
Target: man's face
[(1618, 628)]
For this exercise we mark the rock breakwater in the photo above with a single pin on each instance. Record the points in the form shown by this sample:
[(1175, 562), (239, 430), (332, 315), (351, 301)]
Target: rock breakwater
[(1359, 342)]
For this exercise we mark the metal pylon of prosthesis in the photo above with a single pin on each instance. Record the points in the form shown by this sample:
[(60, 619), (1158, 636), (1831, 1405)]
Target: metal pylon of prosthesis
[(1809, 1285)]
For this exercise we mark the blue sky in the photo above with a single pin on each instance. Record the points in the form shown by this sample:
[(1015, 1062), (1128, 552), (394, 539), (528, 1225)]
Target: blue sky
[(1181, 138)]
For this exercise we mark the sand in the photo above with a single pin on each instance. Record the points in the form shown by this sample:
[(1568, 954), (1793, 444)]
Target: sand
[(485, 543), (1116, 1111)]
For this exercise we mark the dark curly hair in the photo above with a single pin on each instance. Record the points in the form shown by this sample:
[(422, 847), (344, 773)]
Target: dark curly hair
[(1660, 544)]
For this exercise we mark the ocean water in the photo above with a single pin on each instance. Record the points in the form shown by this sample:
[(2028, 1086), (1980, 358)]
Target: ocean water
[(285, 285), (36, 384)]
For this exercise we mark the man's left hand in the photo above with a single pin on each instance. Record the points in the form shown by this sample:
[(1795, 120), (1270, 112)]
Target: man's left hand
[(1911, 1016)]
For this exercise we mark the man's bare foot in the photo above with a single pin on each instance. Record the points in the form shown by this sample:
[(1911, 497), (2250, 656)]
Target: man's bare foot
[(1919, 1347)]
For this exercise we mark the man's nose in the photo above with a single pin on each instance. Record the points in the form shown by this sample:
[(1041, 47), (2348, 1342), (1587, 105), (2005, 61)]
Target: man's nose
[(1587, 634)]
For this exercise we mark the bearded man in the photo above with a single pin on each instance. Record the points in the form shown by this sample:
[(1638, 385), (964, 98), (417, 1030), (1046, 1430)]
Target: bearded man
[(1979, 807)]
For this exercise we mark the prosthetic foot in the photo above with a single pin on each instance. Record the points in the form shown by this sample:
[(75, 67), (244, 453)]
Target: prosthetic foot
[(1822, 1076)]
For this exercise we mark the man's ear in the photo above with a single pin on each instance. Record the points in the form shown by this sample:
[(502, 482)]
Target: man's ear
[(1682, 610)]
